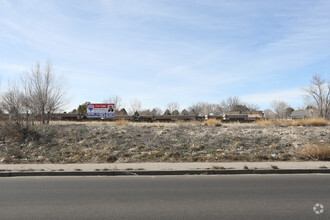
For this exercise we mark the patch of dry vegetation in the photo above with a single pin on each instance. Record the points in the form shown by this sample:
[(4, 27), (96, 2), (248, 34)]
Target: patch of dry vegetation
[(299, 122), (122, 122), (213, 122), (102, 142), (311, 122), (316, 152)]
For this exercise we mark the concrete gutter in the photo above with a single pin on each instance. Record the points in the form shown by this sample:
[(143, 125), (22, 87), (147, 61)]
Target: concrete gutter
[(124, 169)]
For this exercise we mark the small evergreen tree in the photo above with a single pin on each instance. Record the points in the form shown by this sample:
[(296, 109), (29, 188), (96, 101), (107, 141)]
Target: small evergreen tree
[(123, 111), (136, 114), (184, 112), (175, 112), (167, 112), (82, 109), (288, 111)]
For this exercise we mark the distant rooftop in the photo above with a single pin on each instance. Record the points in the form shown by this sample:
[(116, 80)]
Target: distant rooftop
[(301, 114)]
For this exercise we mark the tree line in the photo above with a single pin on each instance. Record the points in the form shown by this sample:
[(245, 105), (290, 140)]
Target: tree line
[(40, 93), (316, 98)]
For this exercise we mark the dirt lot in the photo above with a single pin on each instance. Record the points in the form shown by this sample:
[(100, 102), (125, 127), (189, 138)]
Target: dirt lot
[(165, 142)]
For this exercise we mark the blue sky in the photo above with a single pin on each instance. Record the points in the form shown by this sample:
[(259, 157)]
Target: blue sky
[(159, 52)]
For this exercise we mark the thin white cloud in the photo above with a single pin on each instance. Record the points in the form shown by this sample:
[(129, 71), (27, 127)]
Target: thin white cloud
[(292, 96)]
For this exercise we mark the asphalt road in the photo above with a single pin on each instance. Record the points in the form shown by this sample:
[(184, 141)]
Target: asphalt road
[(165, 197)]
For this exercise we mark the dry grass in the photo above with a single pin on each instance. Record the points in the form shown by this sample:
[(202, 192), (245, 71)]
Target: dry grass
[(104, 142), (264, 122), (311, 122), (122, 122), (299, 122), (238, 124), (212, 122), (174, 124), (179, 123), (316, 152), (67, 122)]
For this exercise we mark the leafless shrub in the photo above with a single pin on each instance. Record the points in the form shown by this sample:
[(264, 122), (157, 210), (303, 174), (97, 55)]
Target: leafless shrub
[(18, 132)]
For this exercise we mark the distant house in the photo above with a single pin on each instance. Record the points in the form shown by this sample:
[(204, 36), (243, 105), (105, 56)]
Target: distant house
[(302, 114)]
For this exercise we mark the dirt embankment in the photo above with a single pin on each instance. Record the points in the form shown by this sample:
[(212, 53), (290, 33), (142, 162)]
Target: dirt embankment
[(99, 143)]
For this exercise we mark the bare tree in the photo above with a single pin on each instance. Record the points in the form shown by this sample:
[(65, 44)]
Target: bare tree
[(135, 105), (279, 108), (172, 106), (196, 109), (253, 107), (28, 107), (145, 112), (208, 109), (269, 114), (214, 109), (230, 104), (156, 111), (204, 108), (12, 103), (45, 92), (318, 94), (234, 103), (115, 99)]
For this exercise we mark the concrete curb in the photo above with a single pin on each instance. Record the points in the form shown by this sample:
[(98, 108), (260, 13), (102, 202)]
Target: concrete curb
[(165, 172)]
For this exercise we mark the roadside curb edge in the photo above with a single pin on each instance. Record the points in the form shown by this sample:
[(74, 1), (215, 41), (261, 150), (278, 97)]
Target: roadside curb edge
[(164, 172)]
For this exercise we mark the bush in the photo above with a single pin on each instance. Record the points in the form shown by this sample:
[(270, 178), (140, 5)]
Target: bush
[(18, 132), (213, 122)]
